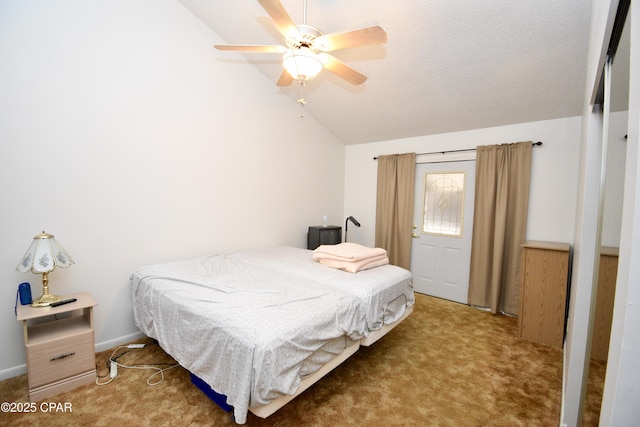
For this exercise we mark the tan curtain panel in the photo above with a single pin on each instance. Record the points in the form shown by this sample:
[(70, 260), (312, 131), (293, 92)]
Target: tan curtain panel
[(503, 173), (394, 206)]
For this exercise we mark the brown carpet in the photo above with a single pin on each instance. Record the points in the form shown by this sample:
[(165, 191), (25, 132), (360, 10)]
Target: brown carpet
[(446, 365)]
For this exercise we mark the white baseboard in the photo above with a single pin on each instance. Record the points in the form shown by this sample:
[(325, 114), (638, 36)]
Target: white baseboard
[(105, 345), (13, 372)]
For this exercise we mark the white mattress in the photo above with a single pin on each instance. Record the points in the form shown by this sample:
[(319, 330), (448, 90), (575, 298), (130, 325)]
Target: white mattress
[(384, 292), (251, 333)]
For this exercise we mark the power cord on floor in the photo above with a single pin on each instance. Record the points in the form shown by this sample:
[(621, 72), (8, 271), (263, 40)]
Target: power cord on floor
[(112, 366)]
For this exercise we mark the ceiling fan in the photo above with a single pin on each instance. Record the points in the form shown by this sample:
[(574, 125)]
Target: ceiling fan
[(305, 53)]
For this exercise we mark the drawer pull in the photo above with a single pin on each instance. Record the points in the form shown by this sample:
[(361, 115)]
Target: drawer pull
[(62, 356)]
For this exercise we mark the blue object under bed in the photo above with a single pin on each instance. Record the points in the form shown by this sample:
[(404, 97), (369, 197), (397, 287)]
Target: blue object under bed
[(218, 399)]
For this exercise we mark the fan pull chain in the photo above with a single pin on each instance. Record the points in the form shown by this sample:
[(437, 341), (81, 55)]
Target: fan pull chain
[(301, 101)]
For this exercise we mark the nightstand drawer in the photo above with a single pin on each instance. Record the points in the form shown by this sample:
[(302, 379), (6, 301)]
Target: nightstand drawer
[(57, 359)]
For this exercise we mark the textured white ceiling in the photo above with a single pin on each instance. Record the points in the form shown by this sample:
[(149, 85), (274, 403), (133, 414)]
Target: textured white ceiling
[(448, 65)]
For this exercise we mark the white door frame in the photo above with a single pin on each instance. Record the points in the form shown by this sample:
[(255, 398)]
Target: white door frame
[(433, 256)]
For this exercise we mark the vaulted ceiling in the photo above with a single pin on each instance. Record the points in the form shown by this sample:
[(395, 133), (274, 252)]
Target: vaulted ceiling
[(448, 65)]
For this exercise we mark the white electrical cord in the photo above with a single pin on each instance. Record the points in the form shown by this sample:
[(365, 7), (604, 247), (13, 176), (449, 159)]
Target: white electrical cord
[(144, 367), (115, 364)]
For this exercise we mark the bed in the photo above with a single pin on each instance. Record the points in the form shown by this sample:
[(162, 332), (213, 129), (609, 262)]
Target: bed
[(259, 326), (385, 293)]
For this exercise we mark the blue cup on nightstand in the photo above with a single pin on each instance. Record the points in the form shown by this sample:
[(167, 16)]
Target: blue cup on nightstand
[(24, 289)]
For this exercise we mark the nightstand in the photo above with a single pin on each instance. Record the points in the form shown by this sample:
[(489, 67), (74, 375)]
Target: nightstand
[(60, 352), (323, 235)]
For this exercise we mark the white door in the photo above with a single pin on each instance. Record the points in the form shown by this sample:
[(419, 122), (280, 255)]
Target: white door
[(443, 222)]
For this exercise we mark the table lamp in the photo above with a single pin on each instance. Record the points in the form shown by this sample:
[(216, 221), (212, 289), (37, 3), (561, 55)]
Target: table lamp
[(43, 256)]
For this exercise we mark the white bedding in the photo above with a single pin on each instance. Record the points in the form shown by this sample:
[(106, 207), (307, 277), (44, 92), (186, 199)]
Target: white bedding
[(384, 292), (253, 323), (251, 333)]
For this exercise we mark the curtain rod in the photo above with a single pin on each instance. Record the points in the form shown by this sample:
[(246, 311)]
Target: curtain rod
[(457, 151)]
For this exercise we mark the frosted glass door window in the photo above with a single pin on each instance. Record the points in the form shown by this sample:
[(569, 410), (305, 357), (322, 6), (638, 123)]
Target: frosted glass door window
[(443, 203)]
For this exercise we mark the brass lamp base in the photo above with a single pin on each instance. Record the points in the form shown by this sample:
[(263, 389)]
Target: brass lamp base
[(45, 300)]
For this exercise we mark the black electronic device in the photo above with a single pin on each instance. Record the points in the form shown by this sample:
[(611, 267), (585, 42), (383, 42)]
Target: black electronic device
[(62, 302), (323, 235)]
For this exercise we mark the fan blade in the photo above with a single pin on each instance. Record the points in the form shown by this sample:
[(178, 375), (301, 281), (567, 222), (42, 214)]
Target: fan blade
[(340, 69), (285, 79), (362, 37), (281, 18), (251, 48)]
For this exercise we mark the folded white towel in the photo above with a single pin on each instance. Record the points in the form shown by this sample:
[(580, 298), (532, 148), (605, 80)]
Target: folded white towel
[(355, 266), (347, 252)]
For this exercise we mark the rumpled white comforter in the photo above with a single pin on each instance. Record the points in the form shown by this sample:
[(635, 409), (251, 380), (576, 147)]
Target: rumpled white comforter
[(384, 292), (249, 332)]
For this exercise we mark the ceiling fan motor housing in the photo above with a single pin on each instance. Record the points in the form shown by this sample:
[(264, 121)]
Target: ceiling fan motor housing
[(306, 37)]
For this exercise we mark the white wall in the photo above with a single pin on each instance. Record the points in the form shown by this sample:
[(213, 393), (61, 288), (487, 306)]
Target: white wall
[(553, 177), (124, 134)]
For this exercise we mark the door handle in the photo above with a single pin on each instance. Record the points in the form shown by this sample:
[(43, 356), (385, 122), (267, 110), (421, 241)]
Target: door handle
[(415, 235)]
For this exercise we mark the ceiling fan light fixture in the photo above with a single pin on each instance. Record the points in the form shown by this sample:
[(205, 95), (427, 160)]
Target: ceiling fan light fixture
[(301, 63), (306, 48)]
